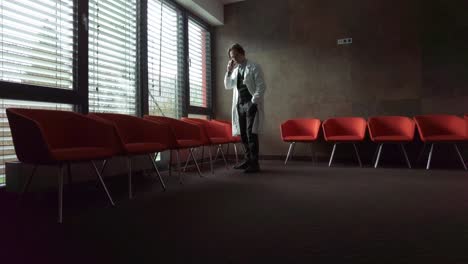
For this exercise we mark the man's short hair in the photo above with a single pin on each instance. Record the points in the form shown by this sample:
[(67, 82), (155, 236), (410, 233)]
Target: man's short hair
[(237, 47)]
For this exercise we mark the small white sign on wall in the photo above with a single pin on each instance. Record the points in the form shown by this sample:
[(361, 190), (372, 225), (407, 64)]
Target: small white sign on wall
[(344, 41)]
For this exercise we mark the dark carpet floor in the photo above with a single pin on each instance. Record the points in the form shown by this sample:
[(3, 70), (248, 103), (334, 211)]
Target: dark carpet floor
[(286, 214)]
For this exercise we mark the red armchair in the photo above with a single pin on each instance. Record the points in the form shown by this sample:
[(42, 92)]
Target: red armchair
[(214, 134), (344, 130), (441, 129), (466, 131), (234, 139), (137, 137), (466, 125), (183, 136), (47, 137), (391, 130), (304, 130)]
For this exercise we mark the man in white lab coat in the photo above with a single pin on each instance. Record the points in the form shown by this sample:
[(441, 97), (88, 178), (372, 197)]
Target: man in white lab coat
[(246, 80)]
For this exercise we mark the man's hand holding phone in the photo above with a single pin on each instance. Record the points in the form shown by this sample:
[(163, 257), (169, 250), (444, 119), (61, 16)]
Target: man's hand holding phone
[(230, 66)]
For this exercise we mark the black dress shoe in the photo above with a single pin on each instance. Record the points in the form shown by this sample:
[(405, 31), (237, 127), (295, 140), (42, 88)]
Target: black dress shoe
[(242, 165), (252, 168)]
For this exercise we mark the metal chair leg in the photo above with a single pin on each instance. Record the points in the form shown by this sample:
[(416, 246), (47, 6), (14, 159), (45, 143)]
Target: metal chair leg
[(196, 163), (29, 180), (227, 151), (157, 172), (374, 157), (60, 194), (332, 154), (235, 152), (357, 155), (378, 155), (102, 183), (154, 156), (292, 151), (104, 165), (179, 167), (220, 147), (406, 155), (430, 157), (289, 152), (216, 156), (27, 184), (211, 160), (129, 171), (202, 160), (170, 163), (460, 156), (187, 161)]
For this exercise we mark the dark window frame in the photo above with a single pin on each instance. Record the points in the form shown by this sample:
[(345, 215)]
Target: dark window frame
[(79, 95), (208, 111)]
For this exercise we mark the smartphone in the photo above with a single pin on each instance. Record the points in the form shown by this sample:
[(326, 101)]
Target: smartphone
[(233, 63)]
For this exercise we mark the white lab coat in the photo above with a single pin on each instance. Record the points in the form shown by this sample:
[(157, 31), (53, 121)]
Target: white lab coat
[(253, 79)]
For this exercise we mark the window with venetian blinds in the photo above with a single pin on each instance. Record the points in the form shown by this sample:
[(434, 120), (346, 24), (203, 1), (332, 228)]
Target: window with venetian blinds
[(37, 42), (165, 59), (112, 56), (199, 64), (37, 39)]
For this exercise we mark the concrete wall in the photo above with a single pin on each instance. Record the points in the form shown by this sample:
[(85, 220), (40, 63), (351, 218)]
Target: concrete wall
[(406, 59), (444, 41)]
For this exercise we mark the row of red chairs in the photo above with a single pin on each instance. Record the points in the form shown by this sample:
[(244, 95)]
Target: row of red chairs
[(48, 137), (433, 129)]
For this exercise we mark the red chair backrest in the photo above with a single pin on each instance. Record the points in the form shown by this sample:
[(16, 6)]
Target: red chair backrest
[(430, 125), (132, 129), (391, 125), (180, 130), (466, 125), (227, 126), (36, 132), (300, 127), (212, 128), (345, 126), (204, 135)]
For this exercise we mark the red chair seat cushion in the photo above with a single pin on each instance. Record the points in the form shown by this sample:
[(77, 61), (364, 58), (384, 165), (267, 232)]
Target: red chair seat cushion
[(396, 138), (445, 138), (188, 143), (235, 139), (86, 153), (143, 148), (220, 140), (300, 138), (345, 138)]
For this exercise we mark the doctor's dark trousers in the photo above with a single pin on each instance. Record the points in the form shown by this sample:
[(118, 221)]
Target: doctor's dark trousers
[(247, 112)]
